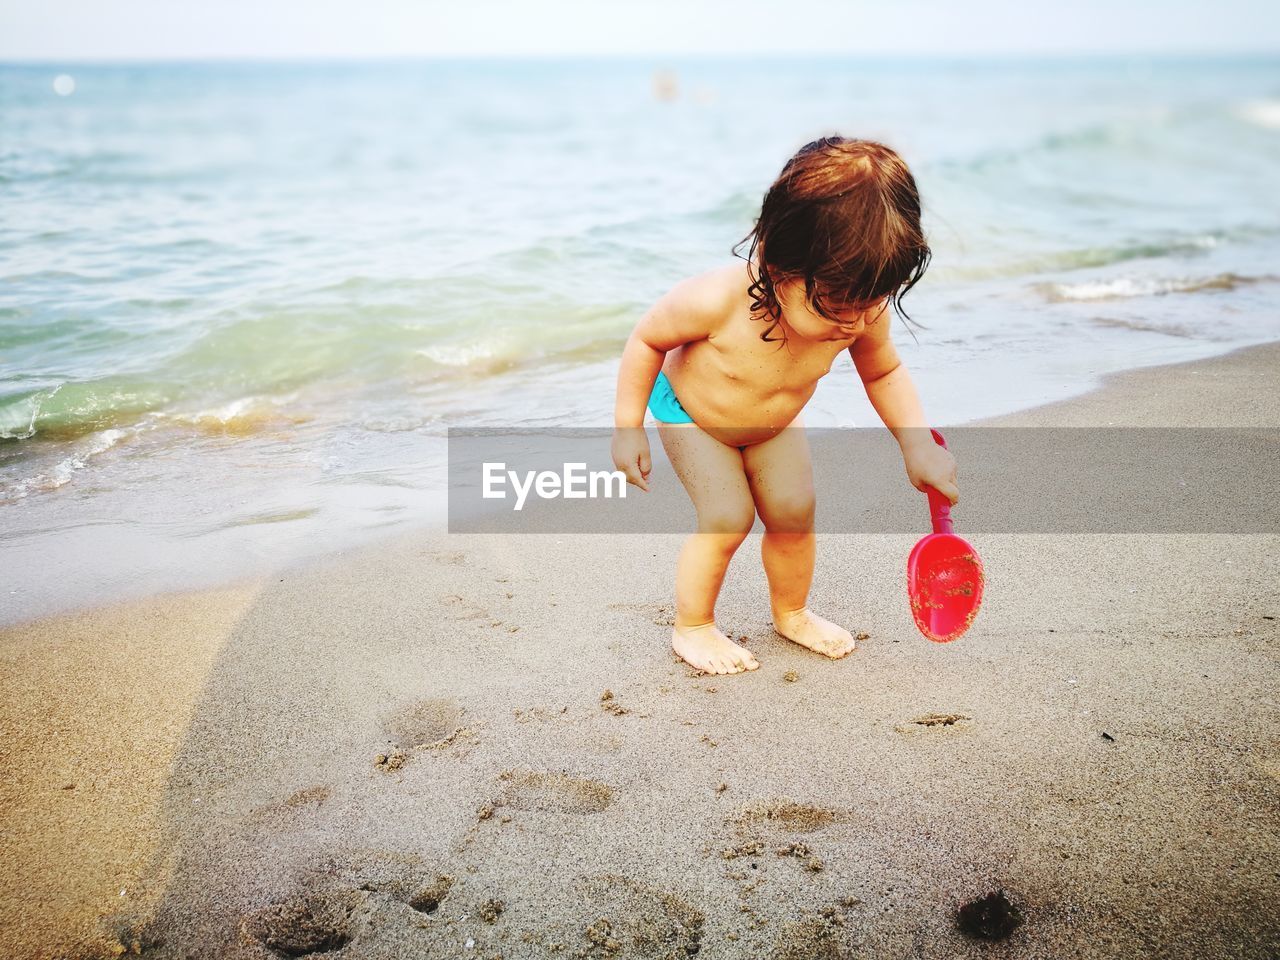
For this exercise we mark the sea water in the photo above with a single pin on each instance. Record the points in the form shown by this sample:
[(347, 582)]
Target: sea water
[(241, 303)]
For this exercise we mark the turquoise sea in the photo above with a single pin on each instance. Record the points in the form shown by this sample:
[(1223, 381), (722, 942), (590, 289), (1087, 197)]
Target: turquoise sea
[(240, 303)]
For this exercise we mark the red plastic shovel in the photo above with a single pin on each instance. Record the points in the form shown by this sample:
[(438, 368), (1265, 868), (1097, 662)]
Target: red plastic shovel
[(944, 575)]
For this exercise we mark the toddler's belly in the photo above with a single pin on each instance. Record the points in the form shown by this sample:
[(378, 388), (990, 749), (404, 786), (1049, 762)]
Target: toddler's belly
[(737, 413)]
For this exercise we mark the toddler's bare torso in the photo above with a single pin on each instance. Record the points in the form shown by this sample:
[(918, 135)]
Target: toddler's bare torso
[(737, 387)]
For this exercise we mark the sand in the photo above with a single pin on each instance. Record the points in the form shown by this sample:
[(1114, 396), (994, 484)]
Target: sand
[(482, 747)]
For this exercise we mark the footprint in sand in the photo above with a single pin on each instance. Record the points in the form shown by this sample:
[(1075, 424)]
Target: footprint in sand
[(787, 815), (396, 874), (306, 924), (814, 936), (428, 896), (450, 558), (776, 820), (420, 725), (306, 800), (628, 919), (552, 792), (463, 609), (424, 723), (801, 852)]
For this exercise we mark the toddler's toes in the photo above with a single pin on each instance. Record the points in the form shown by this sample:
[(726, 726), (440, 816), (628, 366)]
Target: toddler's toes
[(818, 634), (710, 651)]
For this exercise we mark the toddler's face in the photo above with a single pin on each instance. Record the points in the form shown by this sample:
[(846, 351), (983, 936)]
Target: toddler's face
[(799, 315)]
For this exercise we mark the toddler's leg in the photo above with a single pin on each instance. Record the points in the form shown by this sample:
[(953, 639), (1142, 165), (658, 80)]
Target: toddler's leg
[(780, 474), (712, 473)]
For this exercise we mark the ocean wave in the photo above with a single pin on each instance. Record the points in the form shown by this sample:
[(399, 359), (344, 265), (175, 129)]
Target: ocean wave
[(18, 419), (1142, 326), (67, 277), (47, 164), (1260, 113), (244, 415), (1090, 137), (1124, 288), (1012, 265), (62, 472), (81, 410), (75, 408), (588, 340), (482, 356)]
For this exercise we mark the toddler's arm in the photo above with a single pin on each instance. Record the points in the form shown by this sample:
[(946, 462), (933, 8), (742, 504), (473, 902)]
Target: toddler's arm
[(686, 313), (894, 397)]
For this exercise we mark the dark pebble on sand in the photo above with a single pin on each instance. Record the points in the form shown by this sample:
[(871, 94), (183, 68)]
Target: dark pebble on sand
[(992, 917), (1107, 736)]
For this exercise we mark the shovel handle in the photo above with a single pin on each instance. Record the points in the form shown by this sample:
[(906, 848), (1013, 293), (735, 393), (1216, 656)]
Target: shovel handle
[(939, 506)]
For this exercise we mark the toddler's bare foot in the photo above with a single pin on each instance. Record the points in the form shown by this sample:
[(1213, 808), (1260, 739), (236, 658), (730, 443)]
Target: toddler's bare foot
[(709, 650), (810, 630)]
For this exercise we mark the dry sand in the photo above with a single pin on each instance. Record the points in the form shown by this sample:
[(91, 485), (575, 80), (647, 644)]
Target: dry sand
[(482, 746)]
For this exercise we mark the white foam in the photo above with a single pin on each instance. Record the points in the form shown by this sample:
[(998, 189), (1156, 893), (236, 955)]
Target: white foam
[(1261, 113), (243, 412), (18, 419), (69, 466), (228, 411), (1121, 288), (460, 355)]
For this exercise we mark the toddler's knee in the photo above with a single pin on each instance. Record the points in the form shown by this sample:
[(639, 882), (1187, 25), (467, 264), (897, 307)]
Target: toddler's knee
[(791, 515), (731, 519)]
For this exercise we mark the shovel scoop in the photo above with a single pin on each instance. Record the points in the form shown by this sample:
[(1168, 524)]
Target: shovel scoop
[(944, 575)]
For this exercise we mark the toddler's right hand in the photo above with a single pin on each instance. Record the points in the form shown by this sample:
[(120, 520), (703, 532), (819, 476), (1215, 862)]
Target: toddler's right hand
[(631, 455)]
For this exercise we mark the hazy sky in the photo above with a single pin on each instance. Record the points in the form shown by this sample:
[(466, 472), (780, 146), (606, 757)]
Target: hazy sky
[(178, 29)]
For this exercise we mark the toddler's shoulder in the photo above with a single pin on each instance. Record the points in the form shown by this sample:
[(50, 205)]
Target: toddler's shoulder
[(710, 297)]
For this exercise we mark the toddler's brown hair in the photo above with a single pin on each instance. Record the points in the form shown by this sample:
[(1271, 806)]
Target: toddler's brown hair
[(843, 216)]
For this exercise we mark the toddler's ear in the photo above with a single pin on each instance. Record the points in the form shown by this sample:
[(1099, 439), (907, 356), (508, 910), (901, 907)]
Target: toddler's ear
[(876, 311), (785, 289)]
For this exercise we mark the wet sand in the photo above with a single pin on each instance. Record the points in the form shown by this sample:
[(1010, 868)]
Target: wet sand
[(482, 746)]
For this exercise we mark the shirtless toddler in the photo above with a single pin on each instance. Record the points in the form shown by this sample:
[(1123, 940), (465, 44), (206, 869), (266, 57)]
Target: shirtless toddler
[(727, 360)]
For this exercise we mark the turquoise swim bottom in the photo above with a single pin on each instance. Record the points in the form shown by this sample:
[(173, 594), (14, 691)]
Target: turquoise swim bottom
[(664, 404)]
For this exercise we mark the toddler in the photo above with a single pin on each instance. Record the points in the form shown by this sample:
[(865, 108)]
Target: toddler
[(727, 360)]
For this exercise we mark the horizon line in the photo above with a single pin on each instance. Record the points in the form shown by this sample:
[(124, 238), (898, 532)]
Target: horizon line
[(287, 58)]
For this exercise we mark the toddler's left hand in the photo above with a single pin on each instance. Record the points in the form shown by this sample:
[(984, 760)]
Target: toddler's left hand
[(929, 465)]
